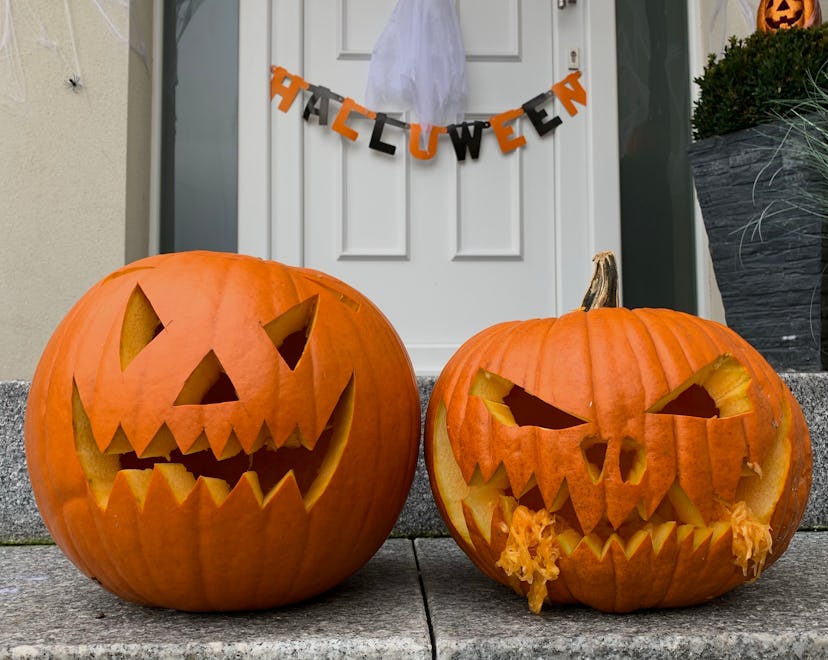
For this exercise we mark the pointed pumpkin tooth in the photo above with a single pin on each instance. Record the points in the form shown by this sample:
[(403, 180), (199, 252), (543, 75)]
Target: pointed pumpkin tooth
[(683, 532), (483, 496), (641, 508), (295, 440), (720, 528), (250, 481), (162, 444), (568, 541), (594, 543), (634, 542), (218, 489), (531, 483), (660, 533), (201, 444), (120, 444), (613, 539), (561, 498), (256, 445), (287, 487), (481, 504), (230, 449), (701, 535), (138, 482), (179, 480), (498, 481), (686, 511)]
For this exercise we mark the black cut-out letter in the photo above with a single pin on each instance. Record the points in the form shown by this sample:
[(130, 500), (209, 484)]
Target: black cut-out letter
[(376, 136), (318, 104), (464, 139), (537, 115)]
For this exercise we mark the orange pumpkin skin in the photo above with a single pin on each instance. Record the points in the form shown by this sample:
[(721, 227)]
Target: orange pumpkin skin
[(601, 422), (775, 15), (293, 378)]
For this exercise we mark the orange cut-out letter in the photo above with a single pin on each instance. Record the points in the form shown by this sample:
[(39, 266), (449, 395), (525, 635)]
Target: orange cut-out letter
[(349, 106), (569, 91), (414, 141), (503, 131), (288, 93)]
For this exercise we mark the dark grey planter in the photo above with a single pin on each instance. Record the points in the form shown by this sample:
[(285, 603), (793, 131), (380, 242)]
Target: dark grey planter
[(769, 256)]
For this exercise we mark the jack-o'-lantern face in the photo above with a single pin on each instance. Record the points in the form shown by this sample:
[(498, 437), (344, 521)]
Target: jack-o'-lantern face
[(198, 408), (619, 458), (782, 14), (204, 425)]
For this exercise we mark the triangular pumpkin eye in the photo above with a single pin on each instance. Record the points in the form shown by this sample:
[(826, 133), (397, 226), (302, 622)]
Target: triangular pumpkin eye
[(529, 410), (141, 325), (693, 402), (511, 405), (289, 332), (719, 389)]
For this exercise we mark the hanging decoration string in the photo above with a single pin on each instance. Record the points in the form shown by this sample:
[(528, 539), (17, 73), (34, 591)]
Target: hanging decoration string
[(465, 137)]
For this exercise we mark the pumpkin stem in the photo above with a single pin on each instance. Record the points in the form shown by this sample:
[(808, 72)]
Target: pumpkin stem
[(603, 288)]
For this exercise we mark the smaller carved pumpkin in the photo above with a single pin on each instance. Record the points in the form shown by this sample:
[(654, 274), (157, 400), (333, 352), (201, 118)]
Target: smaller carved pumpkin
[(619, 458), (782, 14)]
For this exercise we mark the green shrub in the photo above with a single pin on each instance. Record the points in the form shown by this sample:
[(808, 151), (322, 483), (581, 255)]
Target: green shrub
[(757, 78)]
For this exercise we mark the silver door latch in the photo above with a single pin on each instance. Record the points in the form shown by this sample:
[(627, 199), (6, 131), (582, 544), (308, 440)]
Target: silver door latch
[(563, 3)]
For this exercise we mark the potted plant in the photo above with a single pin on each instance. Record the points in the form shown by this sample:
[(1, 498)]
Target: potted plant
[(760, 182)]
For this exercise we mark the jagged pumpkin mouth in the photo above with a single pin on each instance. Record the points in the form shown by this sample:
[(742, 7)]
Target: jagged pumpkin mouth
[(265, 468), (493, 503)]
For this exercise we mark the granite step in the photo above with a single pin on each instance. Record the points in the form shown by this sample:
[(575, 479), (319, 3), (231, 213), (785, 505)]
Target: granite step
[(414, 599), (419, 596)]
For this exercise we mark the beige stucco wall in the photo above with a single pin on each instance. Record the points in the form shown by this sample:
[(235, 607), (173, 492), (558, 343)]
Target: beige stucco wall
[(66, 209)]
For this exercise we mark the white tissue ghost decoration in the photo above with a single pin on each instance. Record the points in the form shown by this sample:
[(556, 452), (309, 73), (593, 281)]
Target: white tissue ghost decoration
[(418, 64)]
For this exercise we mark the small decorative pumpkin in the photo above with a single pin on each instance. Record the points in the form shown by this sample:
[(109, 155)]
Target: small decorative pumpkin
[(619, 458), (210, 431), (782, 14)]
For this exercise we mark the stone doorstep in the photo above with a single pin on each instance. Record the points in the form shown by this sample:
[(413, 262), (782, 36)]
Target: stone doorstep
[(418, 599)]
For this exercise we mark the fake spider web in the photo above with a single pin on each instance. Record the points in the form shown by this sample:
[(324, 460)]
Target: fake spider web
[(24, 33)]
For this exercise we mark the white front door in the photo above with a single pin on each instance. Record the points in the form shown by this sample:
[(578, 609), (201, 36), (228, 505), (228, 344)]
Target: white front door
[(444, 247)]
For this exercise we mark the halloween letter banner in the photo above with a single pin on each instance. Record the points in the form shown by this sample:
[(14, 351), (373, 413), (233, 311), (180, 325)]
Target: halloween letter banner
[(465, 137)]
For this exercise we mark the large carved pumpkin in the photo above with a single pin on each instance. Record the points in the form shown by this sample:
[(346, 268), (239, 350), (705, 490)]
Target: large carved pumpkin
[(215, 432), (773, 15), (619, 458)]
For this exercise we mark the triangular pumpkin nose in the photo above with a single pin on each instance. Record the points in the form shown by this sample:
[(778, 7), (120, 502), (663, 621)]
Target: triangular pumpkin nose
[(207, 384)]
